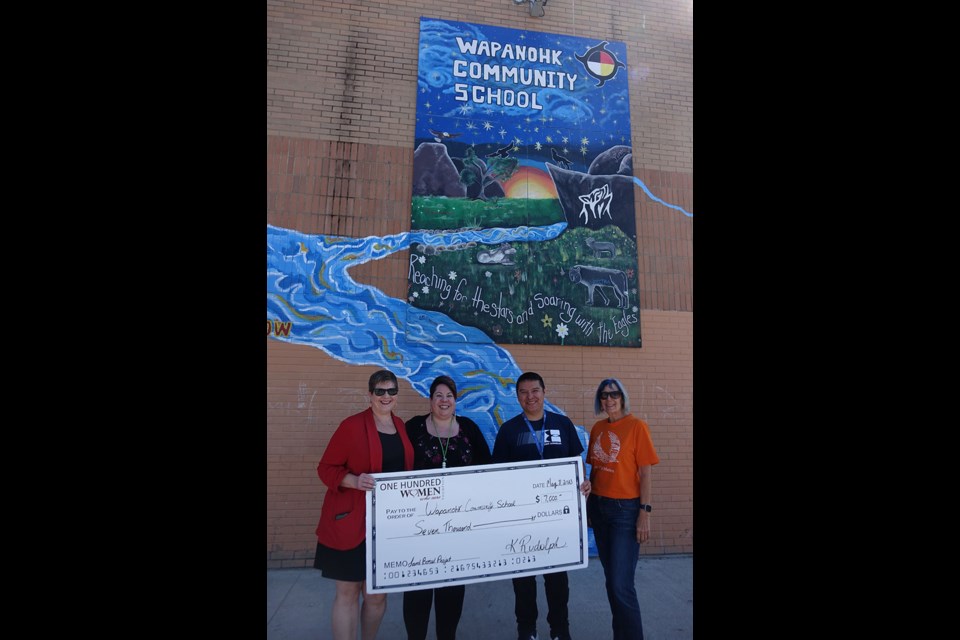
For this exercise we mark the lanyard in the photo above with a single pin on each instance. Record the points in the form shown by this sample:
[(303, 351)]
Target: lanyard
[(543, 431)]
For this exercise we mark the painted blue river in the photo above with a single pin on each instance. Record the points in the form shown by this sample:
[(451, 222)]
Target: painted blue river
[(309, 286)]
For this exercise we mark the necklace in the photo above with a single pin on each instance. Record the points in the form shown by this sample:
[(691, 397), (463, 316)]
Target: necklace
[(443, 444)]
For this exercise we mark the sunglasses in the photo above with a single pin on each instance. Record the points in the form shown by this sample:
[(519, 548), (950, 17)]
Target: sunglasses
[(380, 392), (616, 395)]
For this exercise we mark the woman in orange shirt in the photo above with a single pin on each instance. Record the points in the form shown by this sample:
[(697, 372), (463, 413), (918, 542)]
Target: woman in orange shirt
[(621, 454)]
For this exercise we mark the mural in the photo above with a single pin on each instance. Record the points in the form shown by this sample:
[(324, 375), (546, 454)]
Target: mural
[(523, 225), (522, 129), (312, 300)]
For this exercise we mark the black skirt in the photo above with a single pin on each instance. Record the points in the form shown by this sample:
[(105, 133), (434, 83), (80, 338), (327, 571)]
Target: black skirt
[(348, 566)]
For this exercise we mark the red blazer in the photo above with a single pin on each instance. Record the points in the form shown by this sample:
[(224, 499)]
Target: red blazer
[(354, 448)]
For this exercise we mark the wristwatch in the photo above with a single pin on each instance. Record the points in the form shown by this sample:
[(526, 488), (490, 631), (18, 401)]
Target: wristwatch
[(646, 507)]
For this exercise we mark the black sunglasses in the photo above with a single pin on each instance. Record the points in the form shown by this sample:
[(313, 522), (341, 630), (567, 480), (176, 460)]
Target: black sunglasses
[(616, 395), (380, 392)]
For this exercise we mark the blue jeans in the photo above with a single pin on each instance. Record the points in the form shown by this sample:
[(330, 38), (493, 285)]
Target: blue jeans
[(614, 524)]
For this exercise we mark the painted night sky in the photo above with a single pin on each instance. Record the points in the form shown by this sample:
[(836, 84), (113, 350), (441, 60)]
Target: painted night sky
[(577, 122)]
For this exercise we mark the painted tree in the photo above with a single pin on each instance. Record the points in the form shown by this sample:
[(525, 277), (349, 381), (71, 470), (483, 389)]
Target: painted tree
[(476, 171)]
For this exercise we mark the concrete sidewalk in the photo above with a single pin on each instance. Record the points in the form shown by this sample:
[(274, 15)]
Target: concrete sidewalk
[(299, 602)]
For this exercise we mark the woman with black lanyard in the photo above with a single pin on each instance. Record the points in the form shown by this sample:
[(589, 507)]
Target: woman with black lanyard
[(441, 439)]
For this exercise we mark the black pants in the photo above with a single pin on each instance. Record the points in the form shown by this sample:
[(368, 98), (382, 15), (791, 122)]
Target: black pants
[(525, 606), (416, 611)]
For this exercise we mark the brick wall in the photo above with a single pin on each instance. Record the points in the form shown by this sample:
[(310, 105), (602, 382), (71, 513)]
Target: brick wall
[(341, 99), (309, 393), (348, 70)]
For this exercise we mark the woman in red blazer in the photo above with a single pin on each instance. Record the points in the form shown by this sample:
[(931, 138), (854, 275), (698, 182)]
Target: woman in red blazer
[(372, 441)]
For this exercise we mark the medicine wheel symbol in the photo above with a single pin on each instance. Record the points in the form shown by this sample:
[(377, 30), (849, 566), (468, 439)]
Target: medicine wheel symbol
[(600, 63)]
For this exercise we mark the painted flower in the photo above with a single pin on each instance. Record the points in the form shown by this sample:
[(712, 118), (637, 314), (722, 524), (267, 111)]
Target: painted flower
[(425, 289), (452, 275), (416, 295), (547, 321), (562, 330), (488, 274), (423, 259)]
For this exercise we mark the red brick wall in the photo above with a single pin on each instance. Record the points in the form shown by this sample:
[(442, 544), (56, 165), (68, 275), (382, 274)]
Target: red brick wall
[(341, 99)]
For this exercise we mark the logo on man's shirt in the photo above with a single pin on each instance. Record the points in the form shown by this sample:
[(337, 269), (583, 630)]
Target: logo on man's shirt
[(550, 436)]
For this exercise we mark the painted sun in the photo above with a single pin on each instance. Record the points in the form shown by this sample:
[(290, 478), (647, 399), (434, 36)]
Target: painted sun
[(530, 182)]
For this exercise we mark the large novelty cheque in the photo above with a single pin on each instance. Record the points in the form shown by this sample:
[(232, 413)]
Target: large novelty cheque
[(437, 528)]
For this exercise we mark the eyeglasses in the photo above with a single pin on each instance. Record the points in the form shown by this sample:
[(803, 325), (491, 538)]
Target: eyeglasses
[(393, 391), (616, 395)]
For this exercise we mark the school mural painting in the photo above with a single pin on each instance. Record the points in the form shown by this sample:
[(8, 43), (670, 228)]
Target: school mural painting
[(523, 226), (523, 130)]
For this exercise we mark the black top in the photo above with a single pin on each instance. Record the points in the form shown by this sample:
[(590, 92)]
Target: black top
[(516, 441), (392, 451), (467, 447)]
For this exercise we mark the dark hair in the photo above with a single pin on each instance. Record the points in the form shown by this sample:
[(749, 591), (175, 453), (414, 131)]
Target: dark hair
[(597, 409), (529, 375), (381, 376), (447, 380)]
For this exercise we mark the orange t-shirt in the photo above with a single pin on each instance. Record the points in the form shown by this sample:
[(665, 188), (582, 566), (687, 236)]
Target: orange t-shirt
[(616, 452)]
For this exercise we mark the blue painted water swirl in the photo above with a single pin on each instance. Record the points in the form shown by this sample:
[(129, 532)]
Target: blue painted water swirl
[(649, 193), (309, 286)]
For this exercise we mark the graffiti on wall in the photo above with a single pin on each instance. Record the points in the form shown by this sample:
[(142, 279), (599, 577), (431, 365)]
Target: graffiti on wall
[(525, 130)]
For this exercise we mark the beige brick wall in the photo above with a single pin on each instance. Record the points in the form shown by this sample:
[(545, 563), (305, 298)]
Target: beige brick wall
[(309, 393), (348, 70), (341, 99)]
